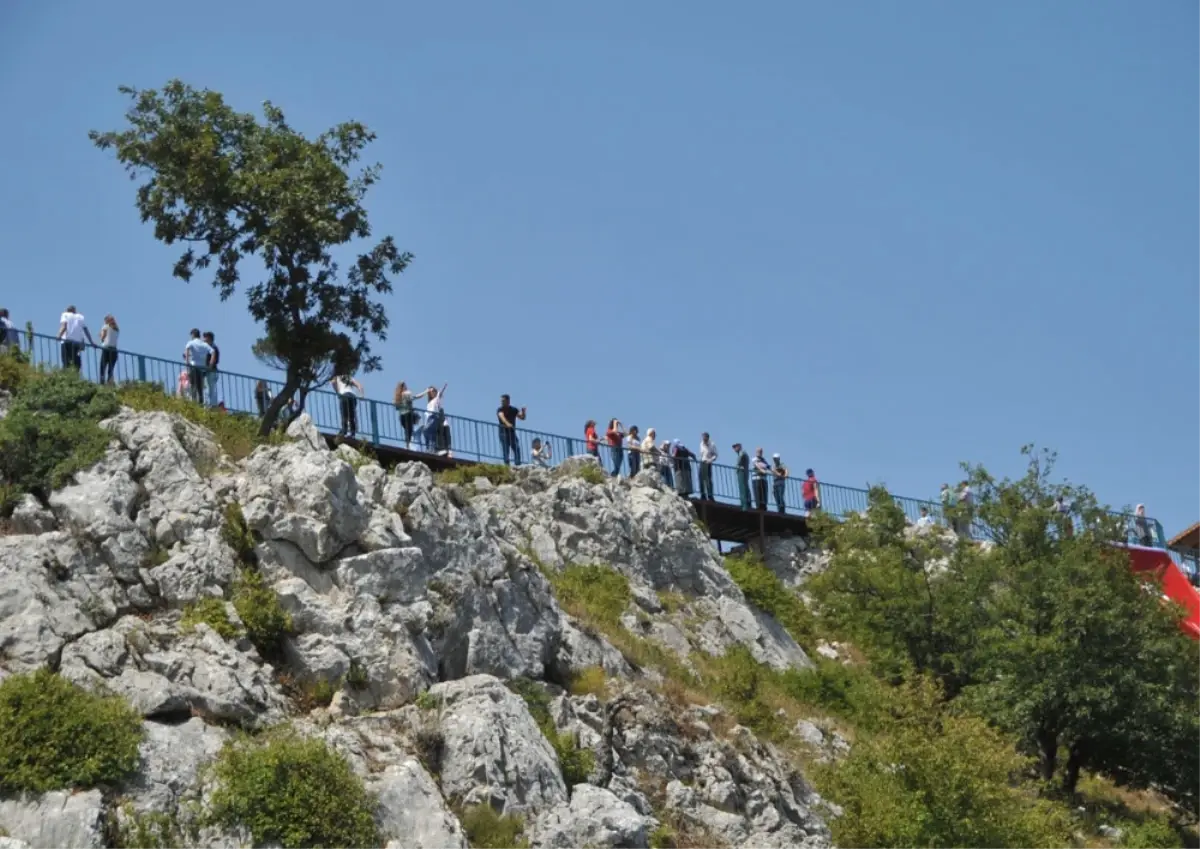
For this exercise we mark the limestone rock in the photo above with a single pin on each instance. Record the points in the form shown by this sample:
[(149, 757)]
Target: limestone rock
[(593, 817), (60, 819)]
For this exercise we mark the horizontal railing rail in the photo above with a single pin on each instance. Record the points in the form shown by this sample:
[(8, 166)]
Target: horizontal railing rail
[(380, 423)]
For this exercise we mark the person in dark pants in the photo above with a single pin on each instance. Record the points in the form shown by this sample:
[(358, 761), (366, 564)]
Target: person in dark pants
[(683, 469), (109, 334), (72, 330), (196, 354), (762, 470), (214, 362), (708, 456), (810, 491), (742, 462), (614, 435), (507, 415), (348, 391), (262, 397), (779, 474), (403, 402)]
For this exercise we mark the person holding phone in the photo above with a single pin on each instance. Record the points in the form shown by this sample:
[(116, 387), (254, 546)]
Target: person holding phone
[(508, 415)]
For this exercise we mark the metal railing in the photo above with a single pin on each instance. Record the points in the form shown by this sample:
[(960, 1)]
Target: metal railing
[(379, 422)]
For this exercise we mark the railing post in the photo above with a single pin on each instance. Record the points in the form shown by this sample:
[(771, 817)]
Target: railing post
[(570, 447), (141, 368), (374, 423)]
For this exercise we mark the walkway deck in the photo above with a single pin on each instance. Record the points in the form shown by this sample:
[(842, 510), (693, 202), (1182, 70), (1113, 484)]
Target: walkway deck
[(725, 522)]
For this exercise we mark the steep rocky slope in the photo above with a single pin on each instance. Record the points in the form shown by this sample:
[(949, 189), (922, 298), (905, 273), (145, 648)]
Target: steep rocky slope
[(419, 610)]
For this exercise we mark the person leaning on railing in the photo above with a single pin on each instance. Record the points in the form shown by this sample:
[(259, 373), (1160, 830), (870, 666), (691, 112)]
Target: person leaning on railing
[(109, 334), (402, 400)]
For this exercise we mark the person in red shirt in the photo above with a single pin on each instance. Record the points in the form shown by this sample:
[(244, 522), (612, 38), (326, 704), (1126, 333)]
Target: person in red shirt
[(615, 436), (593, 441), (811, 490)]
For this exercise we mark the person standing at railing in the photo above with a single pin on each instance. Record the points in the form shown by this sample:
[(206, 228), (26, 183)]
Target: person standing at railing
[(965, 500), (72, 331), (214, 360), (633, 445), (926, 521), (780, 474), (665, 463), (403, 402), (109, 334), (508, 415), (10, 337), (262, 397), (348, 391), (761, 471), (810, 491), (1062, 509), (615, 437), (947, 498), (1141, 527), (742, 462), (683, 468), (435, 414), (708, 456), (649, 457), (591, 439), (196, 354)]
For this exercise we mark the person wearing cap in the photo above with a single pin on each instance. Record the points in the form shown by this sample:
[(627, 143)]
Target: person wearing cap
[(742, 462), (780, 474), (810, 491), (708, 456), (762, 470)]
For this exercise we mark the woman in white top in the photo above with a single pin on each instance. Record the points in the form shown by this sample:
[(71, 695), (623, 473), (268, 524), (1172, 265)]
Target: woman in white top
[(109, 333), (435, 414), (633, 446), (348, 391)]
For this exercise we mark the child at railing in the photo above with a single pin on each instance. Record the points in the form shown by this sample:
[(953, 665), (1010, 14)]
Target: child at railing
[(541, 454)]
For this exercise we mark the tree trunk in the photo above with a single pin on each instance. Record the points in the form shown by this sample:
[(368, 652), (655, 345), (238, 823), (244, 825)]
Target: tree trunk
[(291, 384), (1074, 763), (1048, 744)]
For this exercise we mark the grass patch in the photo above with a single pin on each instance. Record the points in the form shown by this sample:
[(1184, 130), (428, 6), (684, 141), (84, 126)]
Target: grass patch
[(55, 735), (236, 433), (672, 602), (291, 791), (576, 763), (589, 681), (148, 830), (487, 829), (212, 612), (765, 591), (466, 475), (591, 473)]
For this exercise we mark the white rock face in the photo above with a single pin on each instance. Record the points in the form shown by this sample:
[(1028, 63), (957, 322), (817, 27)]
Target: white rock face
[(396, 585)]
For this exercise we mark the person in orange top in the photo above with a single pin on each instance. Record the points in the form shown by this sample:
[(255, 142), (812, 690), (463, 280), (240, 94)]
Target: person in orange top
[(593, 441)]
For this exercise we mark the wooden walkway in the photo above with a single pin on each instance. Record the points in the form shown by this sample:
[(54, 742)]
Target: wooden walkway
[(725, 522)]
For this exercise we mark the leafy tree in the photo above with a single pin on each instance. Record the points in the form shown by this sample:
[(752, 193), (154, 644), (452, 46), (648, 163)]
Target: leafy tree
[(932, 777), (313, 375), (231, 187), (910, 601)]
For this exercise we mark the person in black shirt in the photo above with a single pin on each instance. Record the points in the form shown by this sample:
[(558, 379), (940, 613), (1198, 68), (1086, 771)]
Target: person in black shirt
[(211, 375), (508, 415)]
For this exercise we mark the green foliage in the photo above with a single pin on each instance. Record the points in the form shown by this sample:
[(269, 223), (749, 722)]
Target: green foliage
[(576, 763), (933, 778), (14, 371), (426, 700), (662, 837), (237, 534), (487, 829), (466, 475), (212, 612), (236, 433), (1150, 833), (52, 431), (148, 830), (742, 684), (765, 591), (236, 187), (292, 791), (356, 676), (55, 735), (848, 692), (600, 593), (267, 623), (591, 473)]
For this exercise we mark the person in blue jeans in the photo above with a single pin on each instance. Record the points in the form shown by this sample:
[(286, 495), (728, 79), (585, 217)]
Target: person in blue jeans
[(214, 362), (196, 354), (508, 415)]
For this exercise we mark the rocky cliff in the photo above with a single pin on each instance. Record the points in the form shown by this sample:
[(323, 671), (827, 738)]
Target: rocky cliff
[(445, 638)]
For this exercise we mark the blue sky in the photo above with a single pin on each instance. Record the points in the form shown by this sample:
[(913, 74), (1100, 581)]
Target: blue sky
[(880, 238)]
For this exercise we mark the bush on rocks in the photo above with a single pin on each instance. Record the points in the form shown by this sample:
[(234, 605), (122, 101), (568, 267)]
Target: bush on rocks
[(267, 623), (292, 791), (212, 612), (55, 735)]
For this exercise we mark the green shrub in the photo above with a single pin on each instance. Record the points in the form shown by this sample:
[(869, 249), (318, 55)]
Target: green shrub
[(575, 762), (849, 692), (147, 830), (741, 682), (267, 623), (212, 612), (486, 829), (591, 473), (52, 431), (1153, 832), (237, 534), (14, 371), (55, 735), (292, 791), (597, 593), (765, 591), (466, 475)]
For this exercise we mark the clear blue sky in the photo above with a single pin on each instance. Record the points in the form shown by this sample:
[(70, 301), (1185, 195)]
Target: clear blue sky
[(880, 238)]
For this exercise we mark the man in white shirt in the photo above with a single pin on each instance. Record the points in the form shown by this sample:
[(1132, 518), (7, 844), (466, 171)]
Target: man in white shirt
[(708, 456), (10, 338), (196, 354), (72, 331), (926, 521)]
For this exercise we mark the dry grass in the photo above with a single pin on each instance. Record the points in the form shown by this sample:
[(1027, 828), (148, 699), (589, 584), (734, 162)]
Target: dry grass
[(589, 681)]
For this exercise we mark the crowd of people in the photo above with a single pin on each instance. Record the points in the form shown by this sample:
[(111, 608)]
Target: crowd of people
[(618, 449)]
